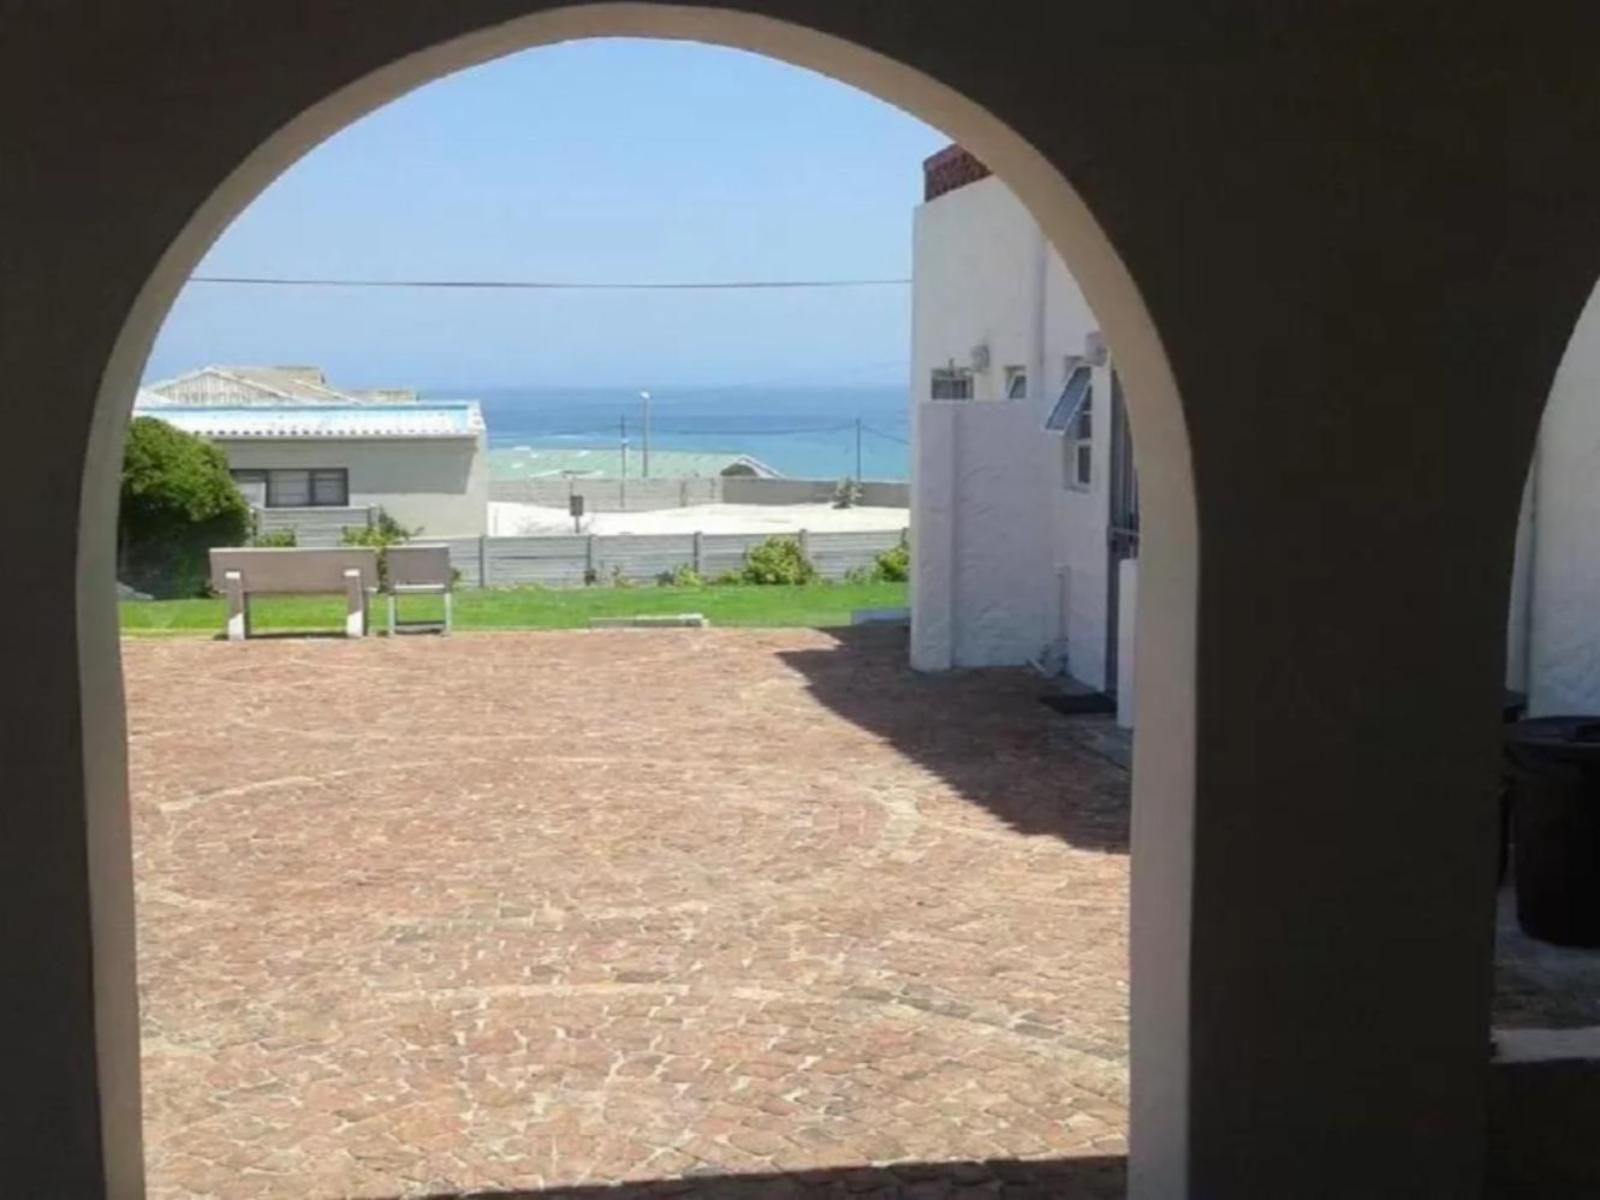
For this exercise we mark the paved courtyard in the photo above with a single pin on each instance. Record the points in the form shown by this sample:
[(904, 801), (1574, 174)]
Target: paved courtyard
[(702, 913)]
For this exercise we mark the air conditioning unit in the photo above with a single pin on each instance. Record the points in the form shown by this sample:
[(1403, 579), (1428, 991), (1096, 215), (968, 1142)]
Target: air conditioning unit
[(980, 357)]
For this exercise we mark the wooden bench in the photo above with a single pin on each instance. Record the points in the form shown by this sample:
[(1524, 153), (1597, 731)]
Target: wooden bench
[(240, 573)]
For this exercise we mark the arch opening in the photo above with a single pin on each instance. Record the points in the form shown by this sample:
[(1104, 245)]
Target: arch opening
[(1169, 554)]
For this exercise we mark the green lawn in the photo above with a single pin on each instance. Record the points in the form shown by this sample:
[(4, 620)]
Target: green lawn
[(815, 605)]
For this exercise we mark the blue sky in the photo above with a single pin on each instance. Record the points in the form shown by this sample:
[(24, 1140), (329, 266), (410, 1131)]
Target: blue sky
[(600, 160)]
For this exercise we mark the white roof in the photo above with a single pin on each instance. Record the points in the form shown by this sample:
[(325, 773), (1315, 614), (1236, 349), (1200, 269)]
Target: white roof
[(216, 387), (293, 422)]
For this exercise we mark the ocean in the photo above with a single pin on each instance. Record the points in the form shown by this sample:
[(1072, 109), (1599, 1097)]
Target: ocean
[(801, 432)]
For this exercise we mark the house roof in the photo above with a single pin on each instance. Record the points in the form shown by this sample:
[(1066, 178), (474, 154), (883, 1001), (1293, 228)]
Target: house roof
[(298, 422), (215, 386), (605, 462)]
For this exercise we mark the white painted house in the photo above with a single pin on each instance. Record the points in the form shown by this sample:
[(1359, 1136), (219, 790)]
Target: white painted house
[(1024, 505), (306, 455)]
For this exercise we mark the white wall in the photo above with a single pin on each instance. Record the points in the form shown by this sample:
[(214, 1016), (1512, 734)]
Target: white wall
[(440, 485), (1007, 561), (1554, 633)]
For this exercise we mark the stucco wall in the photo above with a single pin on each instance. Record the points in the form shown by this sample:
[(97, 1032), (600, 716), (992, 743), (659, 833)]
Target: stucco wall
[(1554, 630), (1007, 560), (438, 485), (1078, 518)]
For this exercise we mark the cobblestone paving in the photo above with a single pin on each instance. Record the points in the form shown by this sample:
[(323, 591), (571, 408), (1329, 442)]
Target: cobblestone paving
[(524, 912)]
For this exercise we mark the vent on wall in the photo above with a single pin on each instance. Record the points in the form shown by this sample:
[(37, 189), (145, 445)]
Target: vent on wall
[(980, 357), (1094, 348)]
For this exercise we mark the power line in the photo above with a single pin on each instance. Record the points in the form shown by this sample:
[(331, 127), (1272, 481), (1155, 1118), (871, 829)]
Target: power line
[(888, 436), (551, 285)]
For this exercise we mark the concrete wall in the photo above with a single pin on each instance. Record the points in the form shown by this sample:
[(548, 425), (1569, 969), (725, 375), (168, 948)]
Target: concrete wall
[(747, 489), (648, 495), (1010, 562), (314, 526), (440, 486), (572, 560), (1544, 1106), (609, 495), (1553, 638)]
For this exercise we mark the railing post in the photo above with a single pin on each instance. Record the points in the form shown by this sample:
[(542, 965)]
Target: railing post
[(699, 554), (483, 560), (588, 559)]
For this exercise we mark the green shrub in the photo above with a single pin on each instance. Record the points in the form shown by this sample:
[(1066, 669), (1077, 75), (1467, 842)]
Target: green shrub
[(893, 565), (274, 539), (619, 580), (860, 575), (178, 501), (846, 493), (778, 560), (683, 576), (383, 532), (728, 578)]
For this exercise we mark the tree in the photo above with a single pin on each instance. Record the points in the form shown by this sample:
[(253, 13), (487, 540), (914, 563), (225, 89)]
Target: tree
[(178, 501)]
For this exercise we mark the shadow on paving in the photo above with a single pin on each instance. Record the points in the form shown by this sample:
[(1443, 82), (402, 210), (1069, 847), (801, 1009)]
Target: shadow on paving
[(1093, 1178), (985, 732)]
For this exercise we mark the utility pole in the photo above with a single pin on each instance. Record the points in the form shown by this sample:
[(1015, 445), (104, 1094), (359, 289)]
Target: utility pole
[(644, 399), (858, 449), (623, 424)]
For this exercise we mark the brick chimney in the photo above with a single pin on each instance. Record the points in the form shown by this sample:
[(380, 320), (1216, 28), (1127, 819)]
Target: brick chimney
[(952, 167)]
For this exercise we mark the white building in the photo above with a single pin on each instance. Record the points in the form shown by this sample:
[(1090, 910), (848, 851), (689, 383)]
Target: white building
[(305, 454), (1024, 509), (1553, 638)]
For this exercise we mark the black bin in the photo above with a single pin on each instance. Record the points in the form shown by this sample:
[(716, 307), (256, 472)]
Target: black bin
[(1556, 827)]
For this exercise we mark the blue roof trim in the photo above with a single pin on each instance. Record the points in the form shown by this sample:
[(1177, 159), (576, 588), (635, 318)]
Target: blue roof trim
[(1074, 395)]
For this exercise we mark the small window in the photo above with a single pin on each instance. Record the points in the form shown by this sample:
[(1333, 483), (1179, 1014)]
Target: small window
[(1082, 465), (323, 487), (1073, 416), (288, 489), (1016, 383), (252, 486), (330, 488), (950, 383), (1081, 438)]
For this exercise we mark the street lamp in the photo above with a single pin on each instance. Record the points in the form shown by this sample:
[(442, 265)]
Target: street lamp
[(644, 399)]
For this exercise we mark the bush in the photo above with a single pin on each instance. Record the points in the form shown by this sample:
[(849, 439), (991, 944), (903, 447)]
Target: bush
[(281, 539), (383, 532), (778, 560), (893, 565), (619, 580), (683, 576), (178, 501), (846, 493)]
